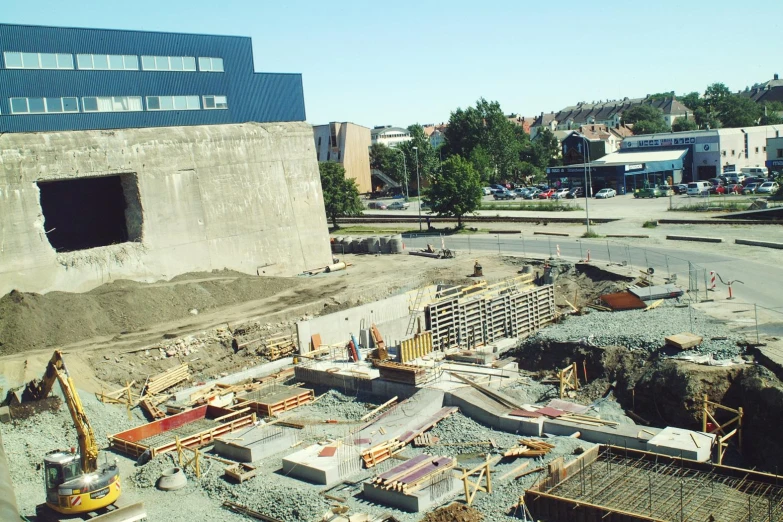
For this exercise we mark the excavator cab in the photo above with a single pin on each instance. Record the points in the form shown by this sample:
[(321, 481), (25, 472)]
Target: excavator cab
[(70, 491)]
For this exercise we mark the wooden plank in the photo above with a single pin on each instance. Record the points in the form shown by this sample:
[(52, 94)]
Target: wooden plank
[(684, 340), (379, 408), (315, 341)]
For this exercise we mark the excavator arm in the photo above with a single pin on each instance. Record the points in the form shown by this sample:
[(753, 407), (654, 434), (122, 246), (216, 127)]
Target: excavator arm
[(37, 390)]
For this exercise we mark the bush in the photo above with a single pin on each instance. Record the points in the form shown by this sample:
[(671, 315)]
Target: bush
[(650, 224), (591, 235)]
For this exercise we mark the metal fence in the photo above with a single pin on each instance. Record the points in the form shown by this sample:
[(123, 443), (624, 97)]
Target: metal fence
[(713, 202)]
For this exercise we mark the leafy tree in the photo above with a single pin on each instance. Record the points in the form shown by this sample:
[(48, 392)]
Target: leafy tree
[(692, 100), (705, 119), (646, 119), (388, 161), (455, 190), (482, 164), (735, 110), (661, 96), (684, 124), (546, 149), (714, 95), (427, 156), (341, 195)]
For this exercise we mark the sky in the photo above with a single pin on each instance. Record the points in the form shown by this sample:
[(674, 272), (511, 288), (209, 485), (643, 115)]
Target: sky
[(402, 62)]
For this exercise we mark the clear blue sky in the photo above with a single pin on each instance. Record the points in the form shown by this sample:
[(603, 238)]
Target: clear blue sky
[(401, 62)]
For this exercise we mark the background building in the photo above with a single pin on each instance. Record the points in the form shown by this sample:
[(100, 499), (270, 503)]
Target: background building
[(390, 136), (56, 79), (349, 145), (775, 154)]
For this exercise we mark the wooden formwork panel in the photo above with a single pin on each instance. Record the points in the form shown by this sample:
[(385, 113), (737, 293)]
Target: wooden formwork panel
[(418, 346), (272, 408)]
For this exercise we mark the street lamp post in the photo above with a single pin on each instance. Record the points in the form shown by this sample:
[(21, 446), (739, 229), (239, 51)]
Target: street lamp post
[(418, 184), (404, 170), (587, 195)]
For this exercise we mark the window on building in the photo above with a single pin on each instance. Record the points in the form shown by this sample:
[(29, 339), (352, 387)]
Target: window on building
[(103, 62), (43, 105), (172, 103), (732, 152), (780, 153), (14, 60), (757, 150), (215, 102), (111, 103), (168, 63), (723, 152), (210, 64)]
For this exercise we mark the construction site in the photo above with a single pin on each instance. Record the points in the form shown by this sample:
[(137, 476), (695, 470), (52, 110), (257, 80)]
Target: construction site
[(485, 388)]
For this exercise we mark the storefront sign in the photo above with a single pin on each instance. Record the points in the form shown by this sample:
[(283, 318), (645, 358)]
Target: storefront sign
[(775, 163), (666, 142), (634, 166)]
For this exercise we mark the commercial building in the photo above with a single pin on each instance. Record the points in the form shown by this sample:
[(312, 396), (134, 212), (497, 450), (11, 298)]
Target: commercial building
[(349, 145), (774, 154), (390, 136), (674, 157), (59, 79)]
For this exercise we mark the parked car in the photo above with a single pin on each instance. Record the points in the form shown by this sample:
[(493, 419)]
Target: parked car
[(398, 205), (377, 205), (546, 194), (768, 187), (649, 192), (542, 186), (748, 181), (560, 193), (716, 181), (532, 193), (734, 189), (698, 188), (605, 193), (734, 177), (487, 191), (666, 190), (716, 189), (750, 188), (682, 188), (576, 192), (504, 195)]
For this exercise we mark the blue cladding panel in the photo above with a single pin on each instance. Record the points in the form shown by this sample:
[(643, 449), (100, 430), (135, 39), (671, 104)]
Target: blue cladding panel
[(261, 97)]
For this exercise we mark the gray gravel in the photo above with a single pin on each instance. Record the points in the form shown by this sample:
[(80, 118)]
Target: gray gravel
[(640, 330)]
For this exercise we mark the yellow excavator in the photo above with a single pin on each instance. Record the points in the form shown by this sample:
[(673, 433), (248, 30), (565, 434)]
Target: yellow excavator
[(75, 482)]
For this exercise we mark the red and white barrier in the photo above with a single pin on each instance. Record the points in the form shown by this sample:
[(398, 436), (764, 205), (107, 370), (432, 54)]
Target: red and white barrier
[(712, 281), (558, 250)]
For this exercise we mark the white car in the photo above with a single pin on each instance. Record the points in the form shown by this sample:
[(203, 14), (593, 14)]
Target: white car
[(560, 193), (487, 191), (768, 187), (605, 193), (398, 205)]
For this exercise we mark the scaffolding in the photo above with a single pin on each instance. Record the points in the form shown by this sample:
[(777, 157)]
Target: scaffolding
[(616, 484)]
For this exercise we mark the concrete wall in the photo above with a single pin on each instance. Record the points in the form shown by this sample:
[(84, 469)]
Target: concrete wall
[(245, 197)]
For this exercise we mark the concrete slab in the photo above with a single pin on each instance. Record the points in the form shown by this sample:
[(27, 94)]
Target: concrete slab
[(307, 465), (623, 435), (255, 443), (676, 442)]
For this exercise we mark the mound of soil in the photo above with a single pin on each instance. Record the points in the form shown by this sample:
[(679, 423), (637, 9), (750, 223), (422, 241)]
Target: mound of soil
[(454, 513), (31, 321)]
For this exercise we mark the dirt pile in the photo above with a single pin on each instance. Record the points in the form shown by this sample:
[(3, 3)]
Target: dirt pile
[(454, 513), (31, 321)]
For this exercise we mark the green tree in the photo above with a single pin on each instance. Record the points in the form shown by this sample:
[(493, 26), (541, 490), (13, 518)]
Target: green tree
[(482, 164), (428, 158), (388, 161), (546, 149), (341, 195), (735, 110), (646, 119), (684, 124), (692, 100), (455, 190), (714, 96), (705, 119)]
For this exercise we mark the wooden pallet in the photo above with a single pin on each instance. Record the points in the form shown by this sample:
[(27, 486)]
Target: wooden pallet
[(241, 472), (164, 381), (425, 439), (404, 373)]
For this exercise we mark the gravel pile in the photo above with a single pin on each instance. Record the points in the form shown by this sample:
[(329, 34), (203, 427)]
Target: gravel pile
[(640, 330), (334, 405), (531, 392), (458, 428)]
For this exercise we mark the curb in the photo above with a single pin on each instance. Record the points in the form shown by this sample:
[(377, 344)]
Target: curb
[(563, 234), (641, 236), (696, 238), (504, 231), (765, 244)]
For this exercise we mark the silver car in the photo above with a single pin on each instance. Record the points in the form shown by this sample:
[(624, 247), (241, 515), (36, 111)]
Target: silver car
[(605, 193), (768, 187)]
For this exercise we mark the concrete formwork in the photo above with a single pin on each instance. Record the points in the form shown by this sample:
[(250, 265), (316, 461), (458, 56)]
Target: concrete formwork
[(245, 197)]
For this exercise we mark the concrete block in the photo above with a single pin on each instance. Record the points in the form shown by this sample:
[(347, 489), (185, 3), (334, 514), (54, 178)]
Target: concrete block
[(624, 435), (695, 238), (5, 414), (307, 465), (765, 244), (255, 443), (676, 442), (418, 501)]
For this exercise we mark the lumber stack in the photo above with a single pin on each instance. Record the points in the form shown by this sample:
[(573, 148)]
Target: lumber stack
[(414, 474), (164, 381), (425, 439), (404, 373), (529, 448)]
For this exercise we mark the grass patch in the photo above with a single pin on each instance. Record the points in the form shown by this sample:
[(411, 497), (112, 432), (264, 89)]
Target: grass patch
[(591, 235), (650, 224), (728, 206), (544, 206), (380, 230)]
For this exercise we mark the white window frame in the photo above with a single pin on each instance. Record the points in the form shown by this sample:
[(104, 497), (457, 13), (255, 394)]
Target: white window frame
[(40, 66), (84, 109), (168, 60), (215, 96), (46, 105), (124, 58), (211, 64), (171, 97)]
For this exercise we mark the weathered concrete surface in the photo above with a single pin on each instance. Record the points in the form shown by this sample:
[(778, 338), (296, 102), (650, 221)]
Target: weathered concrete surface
[(245, 197)]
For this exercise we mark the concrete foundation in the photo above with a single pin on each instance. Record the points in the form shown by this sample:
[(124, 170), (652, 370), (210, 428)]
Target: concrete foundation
[(245, 197), (256, 443), (308, 465)]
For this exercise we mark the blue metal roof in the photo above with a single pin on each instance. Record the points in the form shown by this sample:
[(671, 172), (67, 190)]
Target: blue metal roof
[(261, 97)]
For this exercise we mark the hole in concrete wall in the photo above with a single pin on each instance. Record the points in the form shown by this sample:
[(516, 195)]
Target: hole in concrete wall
[(91, 212)]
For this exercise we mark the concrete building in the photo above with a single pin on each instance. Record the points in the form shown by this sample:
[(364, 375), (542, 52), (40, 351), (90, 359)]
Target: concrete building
[(81, 208), (676, 157), (349, 145), (58, 79), (607, 113), (390, 136), (775, 154)]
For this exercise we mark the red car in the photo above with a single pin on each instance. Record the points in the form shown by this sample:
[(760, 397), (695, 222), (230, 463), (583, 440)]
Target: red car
[(546, 194), (734, 189)]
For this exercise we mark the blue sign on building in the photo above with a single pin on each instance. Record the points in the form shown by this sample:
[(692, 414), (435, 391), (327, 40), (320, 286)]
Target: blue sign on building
[(57, 79)]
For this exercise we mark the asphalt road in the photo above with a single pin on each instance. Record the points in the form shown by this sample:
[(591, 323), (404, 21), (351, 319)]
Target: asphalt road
[(760, 282)]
